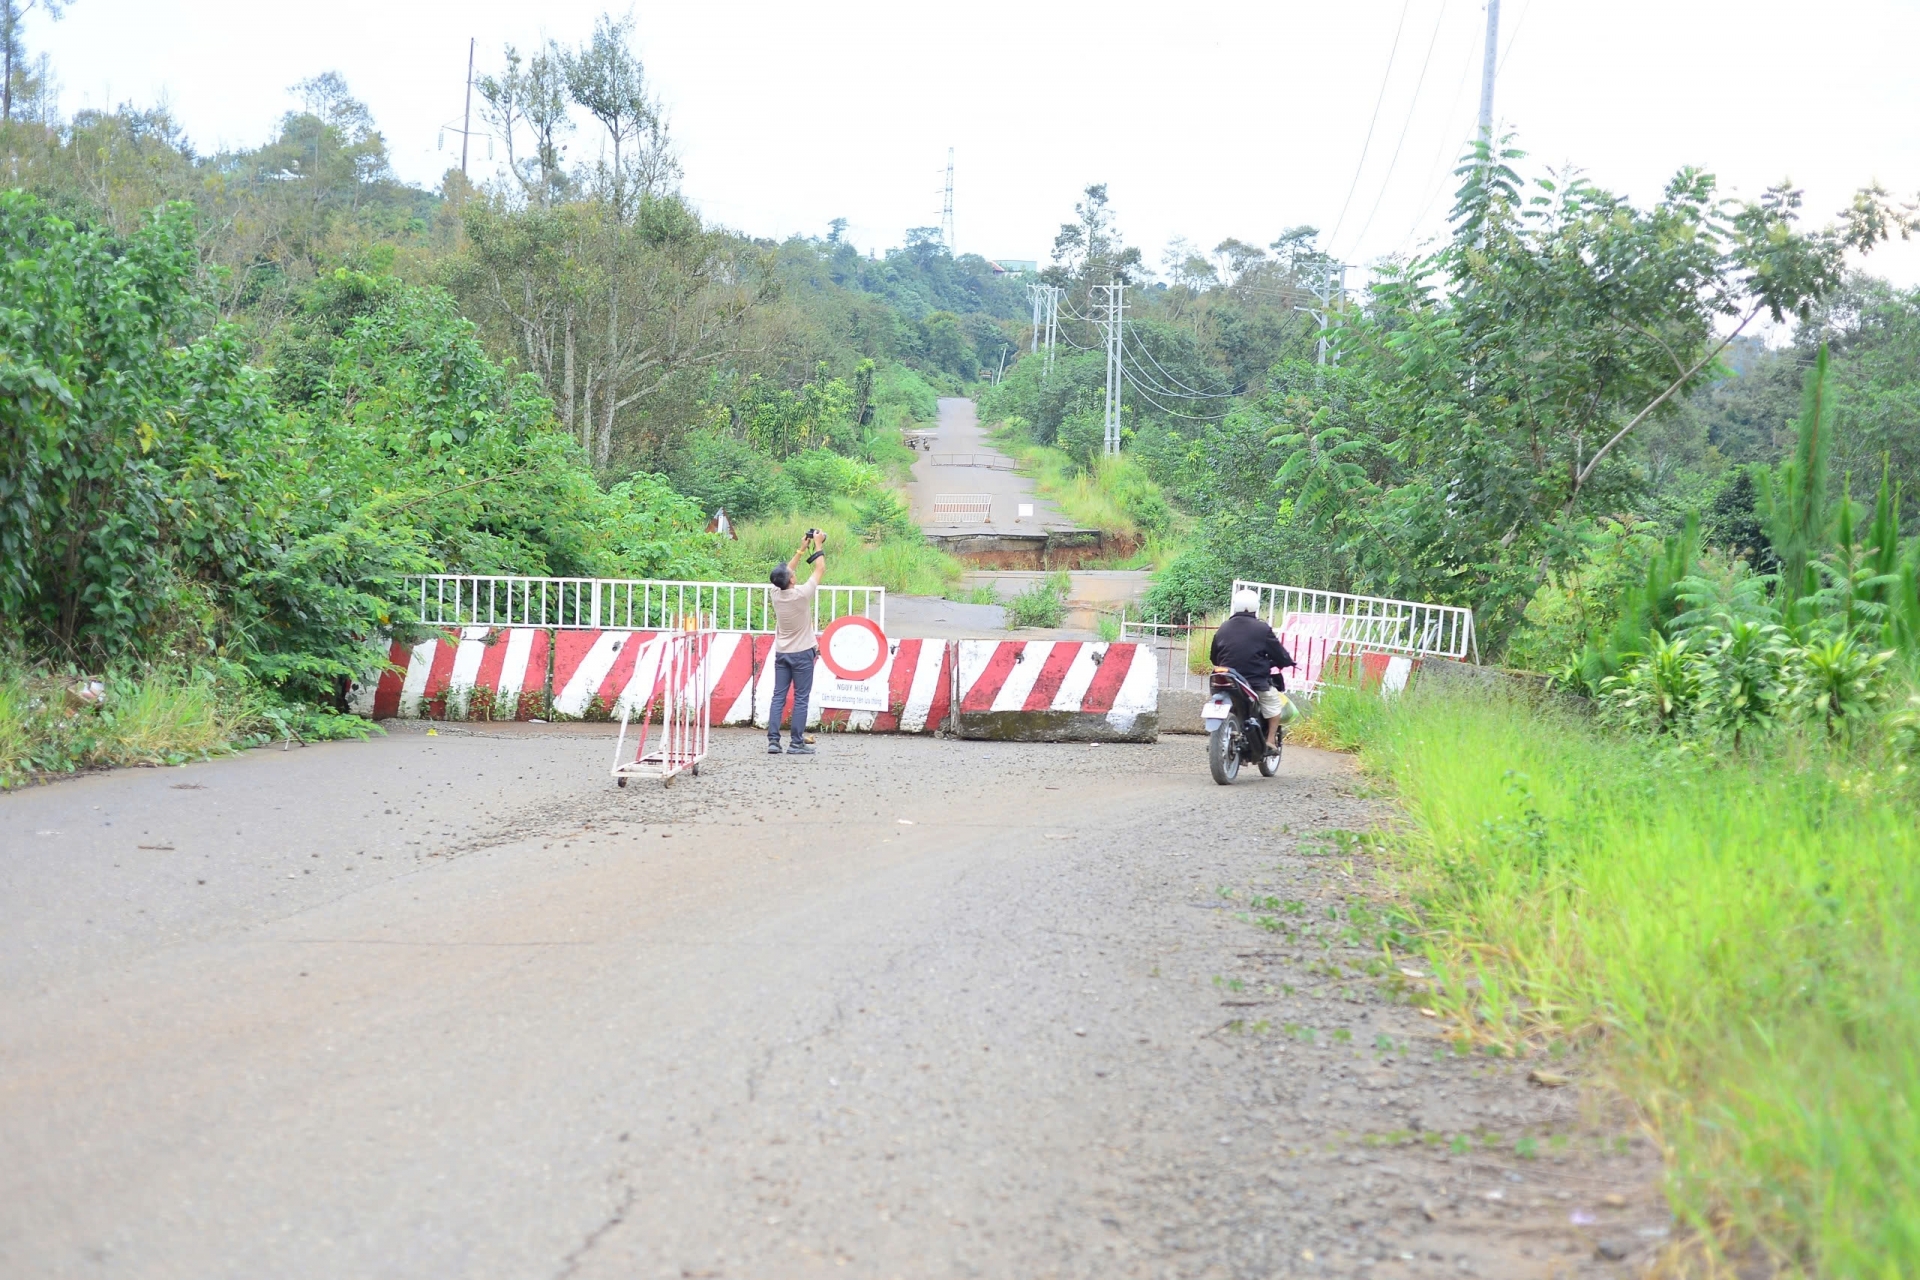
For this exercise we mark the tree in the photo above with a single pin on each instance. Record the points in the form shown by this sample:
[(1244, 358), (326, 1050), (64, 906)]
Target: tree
[(606, 77), (1089, 250), (1506, 375), (608, 312), (13, 52), (533, 97)]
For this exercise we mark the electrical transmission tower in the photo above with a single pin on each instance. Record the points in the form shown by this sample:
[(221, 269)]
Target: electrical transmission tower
[(1116, 316), (1327, 282), (946, 206)]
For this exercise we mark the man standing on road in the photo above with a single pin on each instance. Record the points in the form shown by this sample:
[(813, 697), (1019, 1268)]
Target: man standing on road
[(794, 642)]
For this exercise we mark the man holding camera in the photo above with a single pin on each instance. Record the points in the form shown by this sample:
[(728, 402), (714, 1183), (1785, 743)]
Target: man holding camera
[(795, 645)]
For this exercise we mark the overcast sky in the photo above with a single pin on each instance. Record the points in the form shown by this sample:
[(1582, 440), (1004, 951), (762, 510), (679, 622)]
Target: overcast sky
[(1206, 120)]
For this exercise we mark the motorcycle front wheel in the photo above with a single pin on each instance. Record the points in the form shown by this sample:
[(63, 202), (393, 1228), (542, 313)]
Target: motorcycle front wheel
[(1270, 765), (1223, 755)]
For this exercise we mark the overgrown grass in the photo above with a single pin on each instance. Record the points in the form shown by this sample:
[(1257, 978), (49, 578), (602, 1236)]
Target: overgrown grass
[(52, 724), (1741, 932), (1115, 495), (903, 565), (1042, 604)]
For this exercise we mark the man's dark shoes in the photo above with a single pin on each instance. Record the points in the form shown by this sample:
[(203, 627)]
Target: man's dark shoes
[(773, 748), (802, 750)]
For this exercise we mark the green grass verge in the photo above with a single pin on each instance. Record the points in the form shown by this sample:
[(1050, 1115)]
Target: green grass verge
[(1741, 933), (53, 724), (1115, 496)]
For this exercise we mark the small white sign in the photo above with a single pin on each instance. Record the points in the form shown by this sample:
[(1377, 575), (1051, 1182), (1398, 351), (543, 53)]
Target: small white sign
[(1026, 511)]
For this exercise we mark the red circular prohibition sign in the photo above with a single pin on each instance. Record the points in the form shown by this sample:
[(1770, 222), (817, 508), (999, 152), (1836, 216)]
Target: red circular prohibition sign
[(853, 620)]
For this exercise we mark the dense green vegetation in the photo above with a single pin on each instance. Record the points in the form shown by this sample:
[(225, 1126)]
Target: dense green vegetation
[(247, 392)]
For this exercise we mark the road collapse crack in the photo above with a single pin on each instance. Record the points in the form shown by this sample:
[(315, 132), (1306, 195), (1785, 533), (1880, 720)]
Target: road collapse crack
[(571, 1263)]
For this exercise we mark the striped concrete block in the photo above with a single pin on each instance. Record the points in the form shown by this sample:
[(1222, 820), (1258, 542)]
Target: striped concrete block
[(919, 694), (1055, 691)]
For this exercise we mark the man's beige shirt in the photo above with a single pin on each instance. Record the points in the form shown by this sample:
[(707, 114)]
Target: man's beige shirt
[(793, 619)]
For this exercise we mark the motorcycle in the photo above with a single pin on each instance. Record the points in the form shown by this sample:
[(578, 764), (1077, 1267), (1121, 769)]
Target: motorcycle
[(1236, 731)]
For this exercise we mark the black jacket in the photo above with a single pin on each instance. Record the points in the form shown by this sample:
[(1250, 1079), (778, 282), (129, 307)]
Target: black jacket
[(1249, 646)]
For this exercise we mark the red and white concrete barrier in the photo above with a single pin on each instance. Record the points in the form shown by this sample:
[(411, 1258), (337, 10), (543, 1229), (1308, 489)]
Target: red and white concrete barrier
[(454, 675), (1055, 691), (611, 671), (919, 693)]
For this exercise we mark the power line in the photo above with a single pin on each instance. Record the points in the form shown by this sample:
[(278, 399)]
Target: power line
[(1438, 175), (1384, 77), (1141, 347), (1381, 196), (1196, 417)]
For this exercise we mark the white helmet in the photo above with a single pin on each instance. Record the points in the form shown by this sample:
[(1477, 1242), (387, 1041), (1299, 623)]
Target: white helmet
[(1246, 600)]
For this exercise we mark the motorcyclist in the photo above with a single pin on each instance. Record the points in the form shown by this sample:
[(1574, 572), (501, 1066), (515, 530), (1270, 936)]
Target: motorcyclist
[(1250, 647)]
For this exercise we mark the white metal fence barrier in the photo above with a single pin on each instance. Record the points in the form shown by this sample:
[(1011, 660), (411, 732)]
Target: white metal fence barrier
[(963, 508), (683, 694), (1172, 646), (636, 604), (990, 461), (1367, 624)]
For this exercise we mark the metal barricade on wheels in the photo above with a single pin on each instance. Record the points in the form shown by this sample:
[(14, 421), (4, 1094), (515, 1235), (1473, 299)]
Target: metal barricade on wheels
[(683, 693)]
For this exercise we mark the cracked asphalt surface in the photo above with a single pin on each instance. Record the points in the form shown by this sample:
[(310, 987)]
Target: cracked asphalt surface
[(452, 1005)]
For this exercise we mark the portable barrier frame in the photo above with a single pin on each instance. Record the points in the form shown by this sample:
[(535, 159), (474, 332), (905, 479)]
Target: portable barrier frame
[(686, 714), (990, 461), (963, 508)]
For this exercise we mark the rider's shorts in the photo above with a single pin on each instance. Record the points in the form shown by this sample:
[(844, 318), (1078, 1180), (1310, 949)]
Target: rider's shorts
[(1271, 700)]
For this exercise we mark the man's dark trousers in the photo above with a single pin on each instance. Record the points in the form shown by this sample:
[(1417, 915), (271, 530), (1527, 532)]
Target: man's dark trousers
[(795, 669)]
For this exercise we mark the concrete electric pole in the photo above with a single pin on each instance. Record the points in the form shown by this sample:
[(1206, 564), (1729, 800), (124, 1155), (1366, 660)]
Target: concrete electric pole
[(466, 119), (1327, 282), (1116, 312), (1489, 62), (1053, 323)]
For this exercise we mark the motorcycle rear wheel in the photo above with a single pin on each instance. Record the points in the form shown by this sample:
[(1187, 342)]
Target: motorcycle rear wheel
[(1223, 755)]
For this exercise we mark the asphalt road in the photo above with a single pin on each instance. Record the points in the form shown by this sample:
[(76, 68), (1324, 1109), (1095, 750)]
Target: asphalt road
[(451, 1006), (961, 434)]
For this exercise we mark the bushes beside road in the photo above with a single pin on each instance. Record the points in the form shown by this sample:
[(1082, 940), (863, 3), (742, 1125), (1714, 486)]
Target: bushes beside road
[(1737, 930)]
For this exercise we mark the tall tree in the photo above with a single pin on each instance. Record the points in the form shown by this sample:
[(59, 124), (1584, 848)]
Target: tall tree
[(12, 50), (606, 77), (531, 95)]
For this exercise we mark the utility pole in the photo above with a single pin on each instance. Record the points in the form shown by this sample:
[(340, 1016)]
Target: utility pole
[(1037, 292), (1116, 311), (1053, 324), (1326, 280), (946, 207), (1489, 62), (466, 120)]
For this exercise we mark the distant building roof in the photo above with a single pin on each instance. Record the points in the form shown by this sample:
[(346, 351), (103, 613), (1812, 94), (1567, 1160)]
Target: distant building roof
[(1014, 266)]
